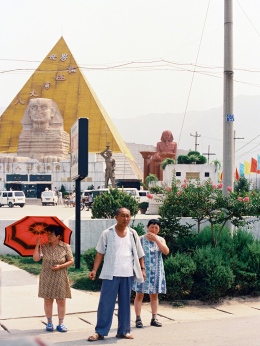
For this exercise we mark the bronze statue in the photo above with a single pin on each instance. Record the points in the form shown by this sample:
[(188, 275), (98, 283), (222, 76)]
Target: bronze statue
[(166, 148), (167, 145), (110, 166)]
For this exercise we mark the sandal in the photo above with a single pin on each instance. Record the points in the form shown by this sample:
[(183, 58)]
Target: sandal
[(95, 337), (49, 327), (155, 323), (124, 336), (61, 328), (138, 324)]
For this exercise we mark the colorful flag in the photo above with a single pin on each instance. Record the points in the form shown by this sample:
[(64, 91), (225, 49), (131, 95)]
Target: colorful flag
[(247, 167), (220, 176), (241, 169), (237, 175), (258, 162), (253, 168)]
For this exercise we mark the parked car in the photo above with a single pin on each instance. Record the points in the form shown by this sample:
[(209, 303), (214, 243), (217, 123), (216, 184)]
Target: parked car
[(12, 198), (49, 197)]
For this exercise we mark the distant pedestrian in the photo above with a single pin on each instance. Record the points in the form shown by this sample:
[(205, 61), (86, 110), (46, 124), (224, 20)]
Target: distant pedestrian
[(154, 246), (60, 199)]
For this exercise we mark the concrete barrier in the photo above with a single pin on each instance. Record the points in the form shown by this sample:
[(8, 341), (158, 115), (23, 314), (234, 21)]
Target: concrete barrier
[(92, 228)]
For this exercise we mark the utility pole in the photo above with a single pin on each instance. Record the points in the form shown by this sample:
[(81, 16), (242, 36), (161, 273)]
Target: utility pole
[(196, 139), (235, 140), (228, 116), (208, 153), (235, 146)]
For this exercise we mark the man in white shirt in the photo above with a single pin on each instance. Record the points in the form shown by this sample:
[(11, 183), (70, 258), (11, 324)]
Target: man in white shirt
[(122, 252)]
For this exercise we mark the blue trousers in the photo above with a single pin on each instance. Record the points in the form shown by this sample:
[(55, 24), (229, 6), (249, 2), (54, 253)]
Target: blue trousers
[(121, 287)]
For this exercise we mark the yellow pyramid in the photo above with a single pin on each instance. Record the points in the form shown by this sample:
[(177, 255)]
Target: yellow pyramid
[(59, 78)]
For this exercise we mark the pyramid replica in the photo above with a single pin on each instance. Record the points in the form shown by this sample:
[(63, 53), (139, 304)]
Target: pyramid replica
[(60, 80)]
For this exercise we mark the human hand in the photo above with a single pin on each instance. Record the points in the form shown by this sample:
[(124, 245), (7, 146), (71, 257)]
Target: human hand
[(151, 236), (144, 274), (38, 242), (92, 275), (56, 267)]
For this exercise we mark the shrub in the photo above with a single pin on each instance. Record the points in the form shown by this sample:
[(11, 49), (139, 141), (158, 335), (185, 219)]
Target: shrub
[(140, 228), (246, 267), (179, 270), (143, 205), (193, 156), (105, 206), (213, 278)]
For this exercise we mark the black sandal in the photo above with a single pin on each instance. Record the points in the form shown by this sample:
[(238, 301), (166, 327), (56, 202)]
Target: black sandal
[(155, 323), (138, 324)]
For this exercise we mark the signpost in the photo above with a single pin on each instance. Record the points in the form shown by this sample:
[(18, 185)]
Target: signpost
[(79, 170)]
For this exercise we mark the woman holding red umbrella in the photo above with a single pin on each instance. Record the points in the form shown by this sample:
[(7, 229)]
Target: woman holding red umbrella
[(54, 282)]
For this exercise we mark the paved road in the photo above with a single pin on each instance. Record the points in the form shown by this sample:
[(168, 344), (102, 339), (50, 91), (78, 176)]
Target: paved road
[(231, 323), (60, 211)]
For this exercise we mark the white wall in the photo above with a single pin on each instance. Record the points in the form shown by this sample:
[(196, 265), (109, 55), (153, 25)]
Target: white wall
[(91, 230), (183, 169)]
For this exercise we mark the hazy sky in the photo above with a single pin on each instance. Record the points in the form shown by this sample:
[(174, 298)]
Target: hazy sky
[(138, 55)]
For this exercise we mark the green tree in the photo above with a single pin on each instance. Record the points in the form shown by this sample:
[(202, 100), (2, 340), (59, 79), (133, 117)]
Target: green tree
[(242, 185), (105, 206), (204, 201)]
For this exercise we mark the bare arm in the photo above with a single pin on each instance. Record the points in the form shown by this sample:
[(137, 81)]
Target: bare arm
[(97, 261), (37, 251), (161, 244), (68, 263), (103, 153), (141, 261)]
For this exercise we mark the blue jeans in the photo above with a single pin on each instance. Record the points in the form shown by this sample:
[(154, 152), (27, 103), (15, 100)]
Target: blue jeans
[(121, 287)]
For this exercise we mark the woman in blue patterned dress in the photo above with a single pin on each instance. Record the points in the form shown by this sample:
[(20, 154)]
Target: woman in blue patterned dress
[(154, 246)]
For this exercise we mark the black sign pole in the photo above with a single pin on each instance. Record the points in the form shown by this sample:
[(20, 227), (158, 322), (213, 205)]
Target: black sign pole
[(79, 170), (77, 225)]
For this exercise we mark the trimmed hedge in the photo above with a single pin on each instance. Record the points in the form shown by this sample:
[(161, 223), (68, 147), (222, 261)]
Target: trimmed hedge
[(198, 270)]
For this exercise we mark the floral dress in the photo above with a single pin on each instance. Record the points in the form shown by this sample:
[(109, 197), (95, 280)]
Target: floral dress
[(155, 276), (54, 284)]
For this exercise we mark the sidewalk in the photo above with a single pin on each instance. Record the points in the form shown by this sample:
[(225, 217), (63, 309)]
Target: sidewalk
[(21, 314)]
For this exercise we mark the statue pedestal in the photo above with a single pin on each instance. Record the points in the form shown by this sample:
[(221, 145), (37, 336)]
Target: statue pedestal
[(154, 204)]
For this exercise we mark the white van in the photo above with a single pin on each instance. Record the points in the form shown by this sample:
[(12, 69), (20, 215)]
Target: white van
[(49, 197), (12, 198)]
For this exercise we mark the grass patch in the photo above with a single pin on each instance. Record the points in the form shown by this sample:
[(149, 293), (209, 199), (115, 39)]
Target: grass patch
[(78, 277), (25, 263)]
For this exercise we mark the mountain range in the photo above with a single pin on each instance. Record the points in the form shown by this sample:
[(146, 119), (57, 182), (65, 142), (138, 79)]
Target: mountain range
[(208, 125)]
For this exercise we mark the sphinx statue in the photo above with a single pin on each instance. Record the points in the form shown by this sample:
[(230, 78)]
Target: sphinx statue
[(43, 137)]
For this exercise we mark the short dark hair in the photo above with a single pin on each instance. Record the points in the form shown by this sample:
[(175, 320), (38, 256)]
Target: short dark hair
[(119, 209), (154, 222), (57, 230)]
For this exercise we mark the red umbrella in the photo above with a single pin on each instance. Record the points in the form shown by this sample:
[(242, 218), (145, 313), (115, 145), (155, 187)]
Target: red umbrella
[(22, 235)]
